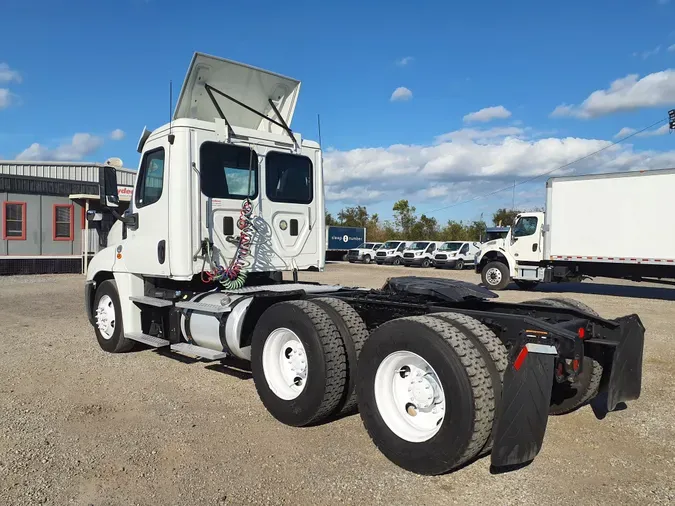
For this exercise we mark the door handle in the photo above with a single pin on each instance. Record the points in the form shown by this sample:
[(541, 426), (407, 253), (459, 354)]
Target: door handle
[(535, 246)]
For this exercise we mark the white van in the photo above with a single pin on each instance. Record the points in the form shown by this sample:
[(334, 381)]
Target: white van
[(364, 253), (456, 254), (421, 253), (391, 252)]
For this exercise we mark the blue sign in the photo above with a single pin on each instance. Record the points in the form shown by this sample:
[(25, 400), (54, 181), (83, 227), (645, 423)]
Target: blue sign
[(344, 238)]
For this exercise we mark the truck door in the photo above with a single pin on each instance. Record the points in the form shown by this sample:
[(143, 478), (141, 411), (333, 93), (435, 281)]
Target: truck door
[(525, 240), (290, 208), (146, 251)]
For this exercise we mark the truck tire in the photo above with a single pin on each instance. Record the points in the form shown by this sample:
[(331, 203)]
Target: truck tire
[(109, 327), (459, 265), (456, 384), (366, 259), (426, 263), (397, 261), (565, 397), (298, 362), (495, 275), (491, 349), (354, 334)]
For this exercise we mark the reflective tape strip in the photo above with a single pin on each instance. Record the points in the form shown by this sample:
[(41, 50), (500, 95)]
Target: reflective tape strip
[(546, 349), (614, 259)]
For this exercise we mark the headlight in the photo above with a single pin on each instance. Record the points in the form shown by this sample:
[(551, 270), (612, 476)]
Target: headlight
[(418, 254)]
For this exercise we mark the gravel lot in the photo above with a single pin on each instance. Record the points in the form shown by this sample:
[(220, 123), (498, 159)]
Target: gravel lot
[(80, 426)]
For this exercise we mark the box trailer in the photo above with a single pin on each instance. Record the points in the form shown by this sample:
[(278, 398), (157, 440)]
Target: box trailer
[(608, 225), (440, 371), (339, 240)]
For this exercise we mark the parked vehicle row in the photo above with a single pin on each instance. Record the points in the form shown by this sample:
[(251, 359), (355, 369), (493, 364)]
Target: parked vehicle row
[(439, 254)]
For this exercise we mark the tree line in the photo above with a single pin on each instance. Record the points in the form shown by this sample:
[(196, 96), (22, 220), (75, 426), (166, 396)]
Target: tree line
[(406, 225)]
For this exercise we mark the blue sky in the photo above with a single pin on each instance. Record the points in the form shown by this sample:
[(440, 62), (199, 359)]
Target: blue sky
[(90, 68)]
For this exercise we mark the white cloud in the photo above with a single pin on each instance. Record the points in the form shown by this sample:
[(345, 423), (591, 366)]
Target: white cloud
[(80, 145), (488, 114), (404, 61), (401, 94), (662, 130), (625, 94), (672, 48), (465, 163), (651, 52), (5, 98), (117, 134), (624, 132), (7, 75)]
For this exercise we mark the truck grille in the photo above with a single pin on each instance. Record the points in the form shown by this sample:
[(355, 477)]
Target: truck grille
[(353, 253), (408, 255), (381, 254), (441, 257)]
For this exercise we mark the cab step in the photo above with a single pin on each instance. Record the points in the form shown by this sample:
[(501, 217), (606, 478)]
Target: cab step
[(155, 342), (152, 301), (198, 351), (203, 307)]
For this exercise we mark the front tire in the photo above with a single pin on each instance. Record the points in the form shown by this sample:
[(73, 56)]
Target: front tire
[(496, 276), (298, 363), (109, 327), (366, 259), (459, 265), (397, 261), (426, 263), (422, 366)]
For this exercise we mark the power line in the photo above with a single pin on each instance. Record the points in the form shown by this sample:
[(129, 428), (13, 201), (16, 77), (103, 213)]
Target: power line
[(513, 186)]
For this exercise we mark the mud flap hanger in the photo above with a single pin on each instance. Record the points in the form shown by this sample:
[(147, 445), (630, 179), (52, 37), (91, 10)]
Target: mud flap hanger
[(281, 123), (522, 413)]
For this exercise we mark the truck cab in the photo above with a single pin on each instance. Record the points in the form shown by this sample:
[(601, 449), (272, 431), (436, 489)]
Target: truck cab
[(517, 257), (391, 253), (456, 254), (420, 253), (364, 252)]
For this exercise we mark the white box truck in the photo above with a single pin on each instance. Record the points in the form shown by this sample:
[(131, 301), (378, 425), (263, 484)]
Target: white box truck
[(228, 196), (608, 225)]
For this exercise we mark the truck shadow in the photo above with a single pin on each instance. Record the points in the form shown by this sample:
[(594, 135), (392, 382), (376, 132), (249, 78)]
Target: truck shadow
[(233, 367), (615, 290)]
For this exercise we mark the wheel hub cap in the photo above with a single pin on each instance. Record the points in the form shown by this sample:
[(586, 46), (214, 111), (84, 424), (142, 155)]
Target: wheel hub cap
[(105, 317), (285, 363)]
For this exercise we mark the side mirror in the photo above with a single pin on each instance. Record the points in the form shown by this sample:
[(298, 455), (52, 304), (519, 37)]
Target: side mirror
[(94, 216), (108, 187)]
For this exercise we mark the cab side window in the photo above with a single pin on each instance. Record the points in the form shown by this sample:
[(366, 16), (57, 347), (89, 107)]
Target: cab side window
[(150, 178), (464, 250), (431, 248), (525, 226), (401, 247)]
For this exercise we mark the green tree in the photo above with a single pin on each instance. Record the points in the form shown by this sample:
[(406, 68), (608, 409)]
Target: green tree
[(404, 217), (455, 231), (425, 228), (330, 221), (476, 230), (353, 217), (505, 217)]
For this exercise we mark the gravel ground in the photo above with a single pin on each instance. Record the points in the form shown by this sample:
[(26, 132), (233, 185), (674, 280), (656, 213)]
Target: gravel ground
[(80, 426)]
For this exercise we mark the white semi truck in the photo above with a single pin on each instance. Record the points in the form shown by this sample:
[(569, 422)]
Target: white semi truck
[(608, 225), (228, 198)]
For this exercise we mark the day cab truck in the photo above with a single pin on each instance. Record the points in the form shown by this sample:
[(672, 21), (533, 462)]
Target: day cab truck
[(229, 202), (608, 225)]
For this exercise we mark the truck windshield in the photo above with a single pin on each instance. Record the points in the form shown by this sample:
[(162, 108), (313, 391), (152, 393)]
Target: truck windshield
[(416, 246), (377, 246), (391, 244), (226, 171), (365, 245), (450, 246)]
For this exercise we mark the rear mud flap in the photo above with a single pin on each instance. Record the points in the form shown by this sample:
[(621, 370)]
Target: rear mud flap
[(522, 414), (625, 380)]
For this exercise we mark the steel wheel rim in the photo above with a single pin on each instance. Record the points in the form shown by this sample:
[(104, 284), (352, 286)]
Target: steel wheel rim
[(409, 396), (105, 317), (493, 276), (284, 362)]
